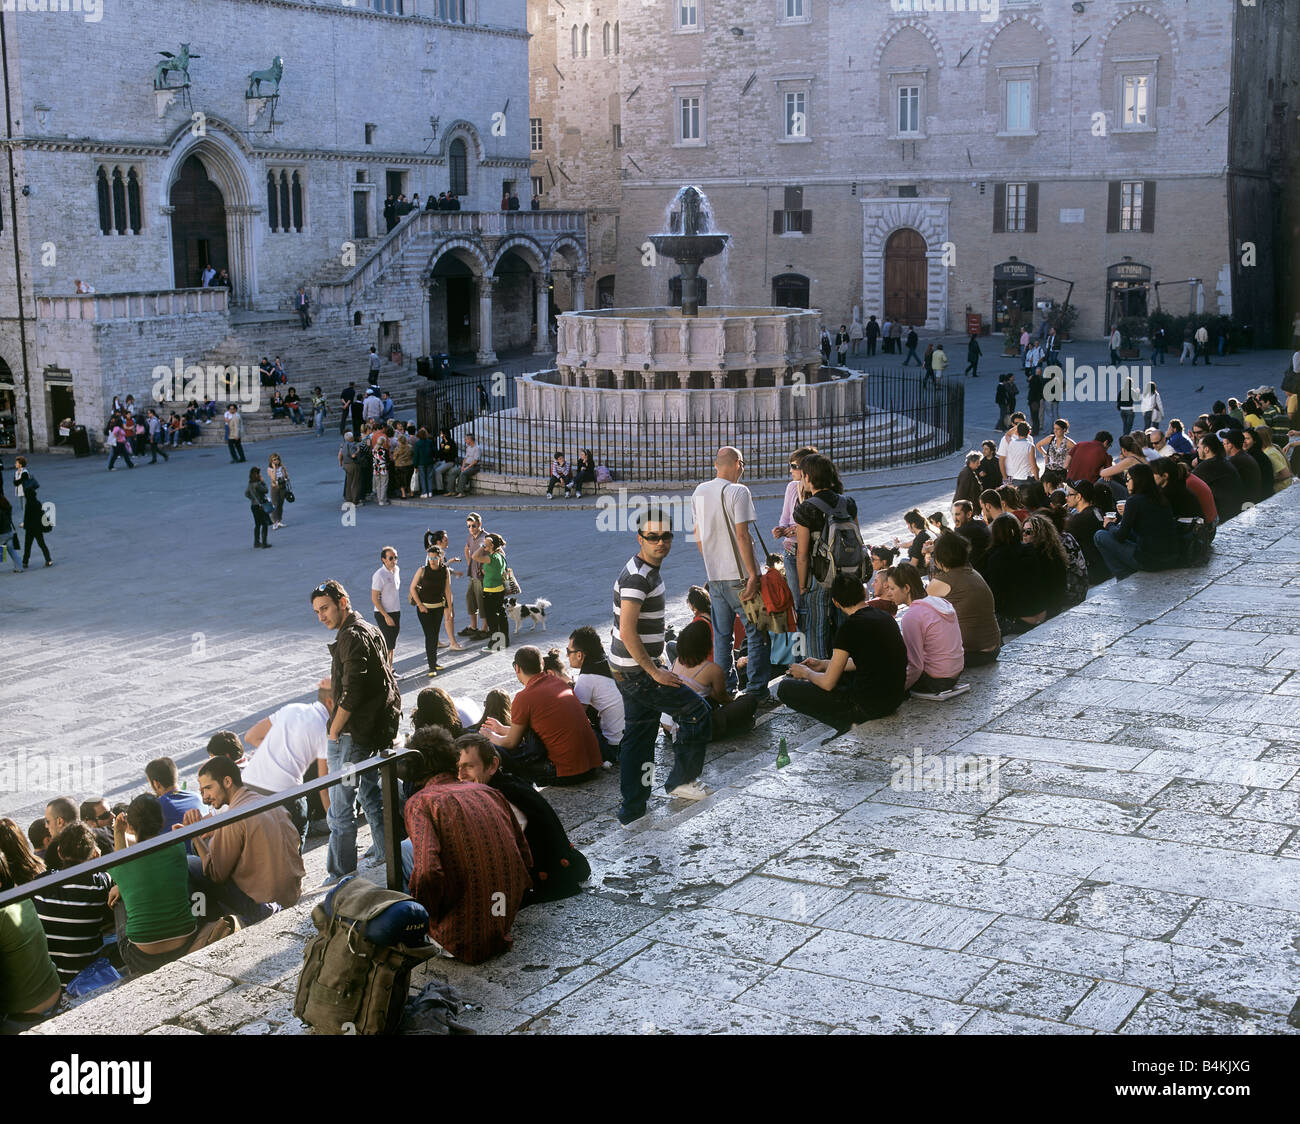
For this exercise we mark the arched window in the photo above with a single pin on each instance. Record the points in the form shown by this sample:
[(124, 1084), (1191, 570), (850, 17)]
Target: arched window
[(119, 202), (616, 37), (133, 201), (272, 203), (586, 37), (295, 194), (105, 202), (458, 164), (790, 290), (284, 202), (605, 39), (575, 40)]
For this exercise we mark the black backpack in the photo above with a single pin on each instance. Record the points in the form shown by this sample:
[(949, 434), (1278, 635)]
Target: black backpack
[(838, 547)]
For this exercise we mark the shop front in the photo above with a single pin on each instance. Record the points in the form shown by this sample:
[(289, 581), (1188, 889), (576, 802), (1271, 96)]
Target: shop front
[(1013, 295), (1127, 285)]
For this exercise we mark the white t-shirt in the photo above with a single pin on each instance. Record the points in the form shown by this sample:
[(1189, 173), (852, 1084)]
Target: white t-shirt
[(601, 692), (720, 561), (386, 583), (469, 712), (1020, 458), (297, 738)]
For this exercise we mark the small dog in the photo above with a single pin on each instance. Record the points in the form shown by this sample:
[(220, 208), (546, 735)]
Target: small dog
[(534, 613)]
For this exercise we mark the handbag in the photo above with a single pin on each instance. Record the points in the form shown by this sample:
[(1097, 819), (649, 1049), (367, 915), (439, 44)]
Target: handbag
[(754, 610), (289, 496), (511, 585), (787, 648)]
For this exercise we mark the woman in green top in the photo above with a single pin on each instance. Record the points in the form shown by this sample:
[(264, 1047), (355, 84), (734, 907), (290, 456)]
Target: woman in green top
[(29, 985), (493, 556), (151, 902)]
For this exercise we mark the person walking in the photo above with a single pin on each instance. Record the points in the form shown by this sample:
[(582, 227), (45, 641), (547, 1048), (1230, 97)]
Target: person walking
[(234, 441), (973, 354), (384, 585), (35, 521), (1153, 409), (872, 333), (278, 476), (1115, 342), (154, 425), (302, 304), (9, 532), (260, 506), (349, 452), (430, 593), (896, 337), (648, 688), (121, 445), (938, 364), (1126, 402), (856, 333), (842, 345), (367, 713), (1187, 352), (1202, 338), (911, 348), (318, 410), (492, 556), (372, 370), (724, 512)]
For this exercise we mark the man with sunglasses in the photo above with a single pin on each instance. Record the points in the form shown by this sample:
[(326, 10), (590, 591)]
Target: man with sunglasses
[(648, 688), (364, 721), (475, 538)]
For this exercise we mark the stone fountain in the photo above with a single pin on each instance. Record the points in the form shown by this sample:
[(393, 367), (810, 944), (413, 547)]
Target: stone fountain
[(692, 247), (714, 372)]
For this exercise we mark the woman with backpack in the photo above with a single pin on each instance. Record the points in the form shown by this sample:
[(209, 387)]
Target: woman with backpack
[(813, 523), (258, 503)]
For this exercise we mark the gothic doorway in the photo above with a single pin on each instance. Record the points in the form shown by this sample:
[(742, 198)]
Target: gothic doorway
[(198, 225)]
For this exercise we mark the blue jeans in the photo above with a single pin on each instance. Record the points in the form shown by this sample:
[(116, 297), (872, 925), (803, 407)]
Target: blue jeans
[(426, 479), (726, 604), (320, 423), (792, 576), (226, 897), (341, 858), (644, 701), (1120, 556)]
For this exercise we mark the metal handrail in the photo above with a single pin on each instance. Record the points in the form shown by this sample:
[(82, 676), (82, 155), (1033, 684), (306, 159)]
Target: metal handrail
[(386, 761)]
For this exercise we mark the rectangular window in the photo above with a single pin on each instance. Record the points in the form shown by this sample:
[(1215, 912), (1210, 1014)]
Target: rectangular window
[(796, 116), (1019, 119), (687, 13), (792, 219), (1017, 197), (1130, 205), (909, 109), (690, 118), (1135, 101), (391, 7), (537, 186), (618, 136), (370, 134), (794, 9), (535, 133)]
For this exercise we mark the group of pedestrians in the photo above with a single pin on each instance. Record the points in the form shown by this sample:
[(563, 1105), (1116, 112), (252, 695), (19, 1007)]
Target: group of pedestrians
[(266, 497), (26, 512)]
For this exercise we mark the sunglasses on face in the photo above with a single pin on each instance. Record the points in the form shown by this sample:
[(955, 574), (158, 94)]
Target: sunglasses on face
[(664, 536)]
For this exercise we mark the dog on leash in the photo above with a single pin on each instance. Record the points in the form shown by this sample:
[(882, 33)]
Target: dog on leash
[(534, 612)]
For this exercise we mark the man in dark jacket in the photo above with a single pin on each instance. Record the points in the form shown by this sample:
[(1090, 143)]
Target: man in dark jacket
[(367, 710), (911, 348), (558, 869), (1252, 481), (968, 481), (1223, 478), (973, 354)]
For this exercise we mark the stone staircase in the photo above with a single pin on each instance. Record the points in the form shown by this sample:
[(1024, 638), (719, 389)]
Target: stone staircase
[(325, 355)]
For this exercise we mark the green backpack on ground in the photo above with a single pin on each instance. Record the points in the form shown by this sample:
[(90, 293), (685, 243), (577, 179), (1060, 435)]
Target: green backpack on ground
[(356, 975)]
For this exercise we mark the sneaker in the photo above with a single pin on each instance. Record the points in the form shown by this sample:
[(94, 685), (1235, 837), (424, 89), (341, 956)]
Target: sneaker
[(627, 816), (767, 701), (433, 673), (691, 790), (467, 631)]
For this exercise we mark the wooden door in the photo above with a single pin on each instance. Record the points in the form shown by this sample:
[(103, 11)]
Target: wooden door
[(360, 214), (905, 278), (198, 225)]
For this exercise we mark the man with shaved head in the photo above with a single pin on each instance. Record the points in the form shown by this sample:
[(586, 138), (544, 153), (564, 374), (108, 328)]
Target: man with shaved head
[(724, 512)]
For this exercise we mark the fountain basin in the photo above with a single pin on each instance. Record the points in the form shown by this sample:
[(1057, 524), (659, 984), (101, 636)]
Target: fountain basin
[(689, 248)]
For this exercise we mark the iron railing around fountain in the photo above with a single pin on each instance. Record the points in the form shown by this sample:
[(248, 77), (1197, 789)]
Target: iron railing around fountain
[(906, 421)]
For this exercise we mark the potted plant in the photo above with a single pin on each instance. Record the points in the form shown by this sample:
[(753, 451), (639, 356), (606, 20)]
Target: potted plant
[(1066, 316), (1011, 345), (1131, 330)]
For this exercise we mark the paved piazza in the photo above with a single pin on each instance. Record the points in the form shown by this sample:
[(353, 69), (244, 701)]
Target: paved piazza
[(1101, 836)]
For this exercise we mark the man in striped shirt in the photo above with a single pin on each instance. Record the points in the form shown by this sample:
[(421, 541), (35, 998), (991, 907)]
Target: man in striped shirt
[(648, 688)]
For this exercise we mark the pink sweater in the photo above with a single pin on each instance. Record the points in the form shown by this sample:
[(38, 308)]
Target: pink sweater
[(932, 637)]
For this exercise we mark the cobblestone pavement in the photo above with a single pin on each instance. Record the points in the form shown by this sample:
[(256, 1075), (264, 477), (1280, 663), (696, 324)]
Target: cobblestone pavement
[(1130, 863)]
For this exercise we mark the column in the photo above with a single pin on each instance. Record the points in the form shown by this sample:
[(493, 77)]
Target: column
[(579, 290), (542, 282), (485, 353)]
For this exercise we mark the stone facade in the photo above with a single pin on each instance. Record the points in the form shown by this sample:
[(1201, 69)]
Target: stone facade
[(576, 123), (897, 120), (369, 102)]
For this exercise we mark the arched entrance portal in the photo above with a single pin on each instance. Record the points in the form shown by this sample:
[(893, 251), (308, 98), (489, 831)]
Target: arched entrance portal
[(905, 277), (198, 225), (453, 307), (790, 290)]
